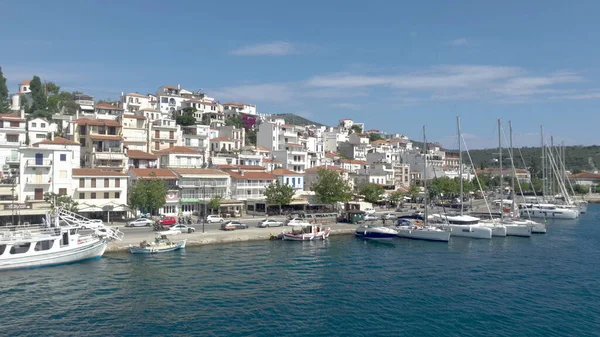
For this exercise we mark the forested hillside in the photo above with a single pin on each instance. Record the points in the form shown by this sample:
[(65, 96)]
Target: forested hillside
[(577, 158)]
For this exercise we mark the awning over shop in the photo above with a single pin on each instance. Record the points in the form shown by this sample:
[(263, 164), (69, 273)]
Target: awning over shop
[(86, 107)]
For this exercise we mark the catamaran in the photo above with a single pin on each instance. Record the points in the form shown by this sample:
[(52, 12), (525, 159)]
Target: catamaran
[(64, 237)]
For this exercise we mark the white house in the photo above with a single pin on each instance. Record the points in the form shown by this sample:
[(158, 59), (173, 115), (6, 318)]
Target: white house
[(132, 102), (38, 129), (180, 156), (237, 108), (141, 159), (12, 137), (24, 93), (100, 194), (197, 186), (169, 99), (165, 133), (290, 178), (136, 132), (250, 185)]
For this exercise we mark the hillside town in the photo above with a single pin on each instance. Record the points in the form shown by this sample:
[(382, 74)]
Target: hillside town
[(201, 148)]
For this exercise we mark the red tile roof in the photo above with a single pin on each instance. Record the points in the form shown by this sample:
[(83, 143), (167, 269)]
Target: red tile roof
[(107, 106), (221, 139), (178, 149), (260, 148), (380, 142), (331, 154), (59, 141), (252, 175), (153, 173), (96, 122), (241, 167), (86, 172), (25, 82), (325, 167), (285, 172), (11, 117), (585, 175), (268, 160), (354, 161), (137, 154)]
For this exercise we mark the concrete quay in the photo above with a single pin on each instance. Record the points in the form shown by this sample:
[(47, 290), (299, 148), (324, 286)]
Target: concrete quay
[(133, 236)]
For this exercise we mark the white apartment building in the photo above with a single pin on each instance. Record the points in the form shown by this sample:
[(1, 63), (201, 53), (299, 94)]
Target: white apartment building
[(355, 151), (12, 137), (222, 145), (180, 157), (165, 134), (236, 108), (136, 132), (107, 111), (45, 170), (38, 129), (169, 99), (352, 165), (151, 114), (250, 185), (202, 107), (171, 206), (197, 186), (86, 103), (133, 102), (253, 155), (100, 194), (238, 135), (294, 157), (102, 143), (290, 178), (197, 138)]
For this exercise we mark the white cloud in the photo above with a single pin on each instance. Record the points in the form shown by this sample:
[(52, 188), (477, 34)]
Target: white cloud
[(458, 42), (262, 49), (537, 84), (581, 96)]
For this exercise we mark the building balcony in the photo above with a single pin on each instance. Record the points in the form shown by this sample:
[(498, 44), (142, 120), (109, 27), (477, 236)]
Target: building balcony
[(99, 188), (38, 180), (135, 140), (38, 163), (13, 159), (202, 184), (252, 185)]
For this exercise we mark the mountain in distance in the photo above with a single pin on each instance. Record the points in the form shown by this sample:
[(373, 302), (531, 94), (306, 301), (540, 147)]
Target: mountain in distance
[(296, 120), (577, 158)]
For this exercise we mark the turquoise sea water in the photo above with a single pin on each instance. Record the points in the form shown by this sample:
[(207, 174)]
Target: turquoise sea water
[(546, 285)]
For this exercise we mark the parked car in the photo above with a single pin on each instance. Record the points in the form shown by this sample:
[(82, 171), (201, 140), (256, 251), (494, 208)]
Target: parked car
[(213, 218), (294, 220), (168, 221), (369, 211), (231, 225), (388, 216), (141, 222), (270, 223), (183, 229), (370, 217)]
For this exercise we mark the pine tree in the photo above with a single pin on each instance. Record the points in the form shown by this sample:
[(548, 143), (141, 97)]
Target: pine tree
[(4, 106), (38, 95)]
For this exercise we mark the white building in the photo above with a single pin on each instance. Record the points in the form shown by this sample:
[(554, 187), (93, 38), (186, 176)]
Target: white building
[(290, 178), (100, 194), (169, 99), (12, 137), (197, 186), (165, 134), (180, 157), (86, 103), (133, 102), (196, 137), (250, 185), (24, 93), (237, 108), (141, 159), (38, 130), (136, 132)]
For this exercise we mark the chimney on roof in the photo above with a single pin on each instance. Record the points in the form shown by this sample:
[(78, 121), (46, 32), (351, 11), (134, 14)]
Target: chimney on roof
[(178, 86), (52, 136), (22, 113), (77, 114)]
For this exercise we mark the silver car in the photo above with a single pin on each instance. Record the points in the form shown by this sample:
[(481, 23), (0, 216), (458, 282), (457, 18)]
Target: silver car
[(270, 223), (141, 222)]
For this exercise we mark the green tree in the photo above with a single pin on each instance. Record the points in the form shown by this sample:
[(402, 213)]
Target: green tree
[(251, 137), (413, 192), (235, 121), (60, 200), (186, 117), (38, 95), (278, 194), (375, 136), (356, 128), (331, 187), (148, 195), (371, 192), (215, 203), (4, 103), (580, 189), (396, 197)]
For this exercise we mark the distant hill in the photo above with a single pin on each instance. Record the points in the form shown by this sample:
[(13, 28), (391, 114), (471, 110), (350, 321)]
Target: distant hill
[(296, 120), (576, 157)]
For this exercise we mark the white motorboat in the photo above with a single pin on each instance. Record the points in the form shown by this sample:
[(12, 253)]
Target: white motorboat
[(375, 232), (547, 211), (467, 226), (304, 231), (58, 241), (415, 229), (161, 244)]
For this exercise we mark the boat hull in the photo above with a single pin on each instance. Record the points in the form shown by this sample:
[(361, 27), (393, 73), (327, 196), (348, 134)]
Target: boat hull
[(518, 230), (423, 234), (569, 214), (298, 237), (156, 250), (91, 250), (470, 231), (375, 233)]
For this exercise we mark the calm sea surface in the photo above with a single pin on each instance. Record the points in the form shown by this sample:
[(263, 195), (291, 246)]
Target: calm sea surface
[(546, 285)]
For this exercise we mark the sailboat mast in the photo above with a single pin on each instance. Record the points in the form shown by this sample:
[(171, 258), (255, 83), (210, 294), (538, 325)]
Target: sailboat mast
[(460, 163), (501, 175), (543, 163), (514, 170), (425, 176), (552, 188)]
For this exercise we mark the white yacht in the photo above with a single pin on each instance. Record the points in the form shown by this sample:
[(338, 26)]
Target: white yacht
[(58, 241), (467, 226), (547, 211), (414, 229)]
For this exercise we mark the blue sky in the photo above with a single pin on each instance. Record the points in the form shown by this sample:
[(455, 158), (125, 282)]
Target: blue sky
[(394, 65)]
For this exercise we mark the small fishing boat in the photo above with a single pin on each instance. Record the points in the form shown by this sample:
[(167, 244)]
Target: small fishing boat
[(304, 231), (375, 232), (161, 244)]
